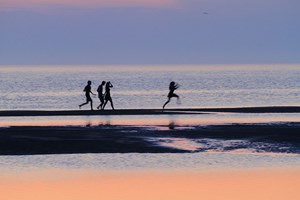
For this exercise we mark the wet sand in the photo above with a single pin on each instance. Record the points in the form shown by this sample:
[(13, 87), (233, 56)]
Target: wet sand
[(259, 184), (184, 111), (23, 137), (29, 140)]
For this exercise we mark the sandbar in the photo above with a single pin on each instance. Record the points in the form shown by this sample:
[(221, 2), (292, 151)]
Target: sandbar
[(29, 140), (179, 111)]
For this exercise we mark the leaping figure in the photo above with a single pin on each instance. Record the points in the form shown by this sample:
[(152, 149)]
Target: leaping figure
[(173, 86)]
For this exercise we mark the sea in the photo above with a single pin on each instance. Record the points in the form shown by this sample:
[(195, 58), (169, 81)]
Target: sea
[(146, 86), (139, 87)]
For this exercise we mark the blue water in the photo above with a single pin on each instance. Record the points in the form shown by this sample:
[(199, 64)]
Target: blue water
[(60, 87)]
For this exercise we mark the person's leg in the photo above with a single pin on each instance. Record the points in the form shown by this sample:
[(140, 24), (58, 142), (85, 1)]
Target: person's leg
[(101, 103), (178, 99), (166, 103), (104, 104), (83, 104), (91, 104), (112, 104)]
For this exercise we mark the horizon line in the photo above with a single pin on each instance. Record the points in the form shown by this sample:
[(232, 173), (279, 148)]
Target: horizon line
[(115, 65)]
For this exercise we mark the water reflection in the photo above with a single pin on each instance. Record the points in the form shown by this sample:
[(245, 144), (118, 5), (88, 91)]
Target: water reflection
[(172, 125), (104, 121), (161, 121), (276, 184)]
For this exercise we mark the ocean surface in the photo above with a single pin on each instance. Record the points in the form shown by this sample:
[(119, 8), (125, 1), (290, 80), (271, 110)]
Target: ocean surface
[(135, 161), (159, 175), (61, 87)]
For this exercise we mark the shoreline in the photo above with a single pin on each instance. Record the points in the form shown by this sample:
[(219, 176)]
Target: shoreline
[(178, 111)]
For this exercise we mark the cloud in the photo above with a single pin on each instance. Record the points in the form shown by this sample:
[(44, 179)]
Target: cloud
[(32, 4)]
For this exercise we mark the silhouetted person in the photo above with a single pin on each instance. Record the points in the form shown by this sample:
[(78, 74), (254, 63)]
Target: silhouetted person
[(107, 96), (173, 86), (100, 94), (88, 91)]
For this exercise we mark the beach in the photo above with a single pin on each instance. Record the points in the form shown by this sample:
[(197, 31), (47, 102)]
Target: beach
[(284, 138), (149, 100), (140, 136), (235, 135), (178, 154), (178, 111)]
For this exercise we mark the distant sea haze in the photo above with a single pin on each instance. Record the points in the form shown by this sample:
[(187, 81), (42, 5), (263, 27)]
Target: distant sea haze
[(61, 87)]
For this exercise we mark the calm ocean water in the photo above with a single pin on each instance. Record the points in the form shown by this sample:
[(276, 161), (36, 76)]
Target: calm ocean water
[(60, 87), (135, 161)]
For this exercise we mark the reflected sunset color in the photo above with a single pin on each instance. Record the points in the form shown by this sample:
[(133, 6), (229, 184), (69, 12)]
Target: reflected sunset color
[(237, 60), (155, 121), (275, 184)]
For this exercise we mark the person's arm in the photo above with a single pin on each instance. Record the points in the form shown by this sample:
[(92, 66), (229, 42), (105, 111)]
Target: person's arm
[(110, 85), (91, 91)]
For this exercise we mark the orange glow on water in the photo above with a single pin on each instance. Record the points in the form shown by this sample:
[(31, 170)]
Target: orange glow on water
[(176, 185), (155, 120)]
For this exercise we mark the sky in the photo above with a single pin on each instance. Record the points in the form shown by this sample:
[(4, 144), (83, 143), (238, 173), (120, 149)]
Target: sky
[(109, 32)]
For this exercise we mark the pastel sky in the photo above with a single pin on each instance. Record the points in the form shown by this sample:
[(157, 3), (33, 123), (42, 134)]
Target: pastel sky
[(34, 32), (18, 4)]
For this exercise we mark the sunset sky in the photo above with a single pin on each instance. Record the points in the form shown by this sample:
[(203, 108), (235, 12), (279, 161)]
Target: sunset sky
[(34, 32)]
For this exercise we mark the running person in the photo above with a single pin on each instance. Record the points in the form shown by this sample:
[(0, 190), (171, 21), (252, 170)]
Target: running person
[(100, 94), (107, 96), (173, 86), (88, 91)]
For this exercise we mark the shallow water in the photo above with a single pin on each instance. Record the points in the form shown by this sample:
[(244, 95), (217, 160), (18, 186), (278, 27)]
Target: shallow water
[(157, 121), (93, 184), (60, 87), (134, 161)]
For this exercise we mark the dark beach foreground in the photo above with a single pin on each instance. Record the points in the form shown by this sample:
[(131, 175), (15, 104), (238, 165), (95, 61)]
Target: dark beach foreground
[(29, 140), (271, 109)]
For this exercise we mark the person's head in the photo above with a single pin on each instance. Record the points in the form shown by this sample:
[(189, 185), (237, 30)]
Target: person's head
[(103, 83), (89, 82), (172, 83)]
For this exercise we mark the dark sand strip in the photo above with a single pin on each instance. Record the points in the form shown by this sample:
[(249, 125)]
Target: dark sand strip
[(266, 109), (181, 111), (279, 138), (21, 113)]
